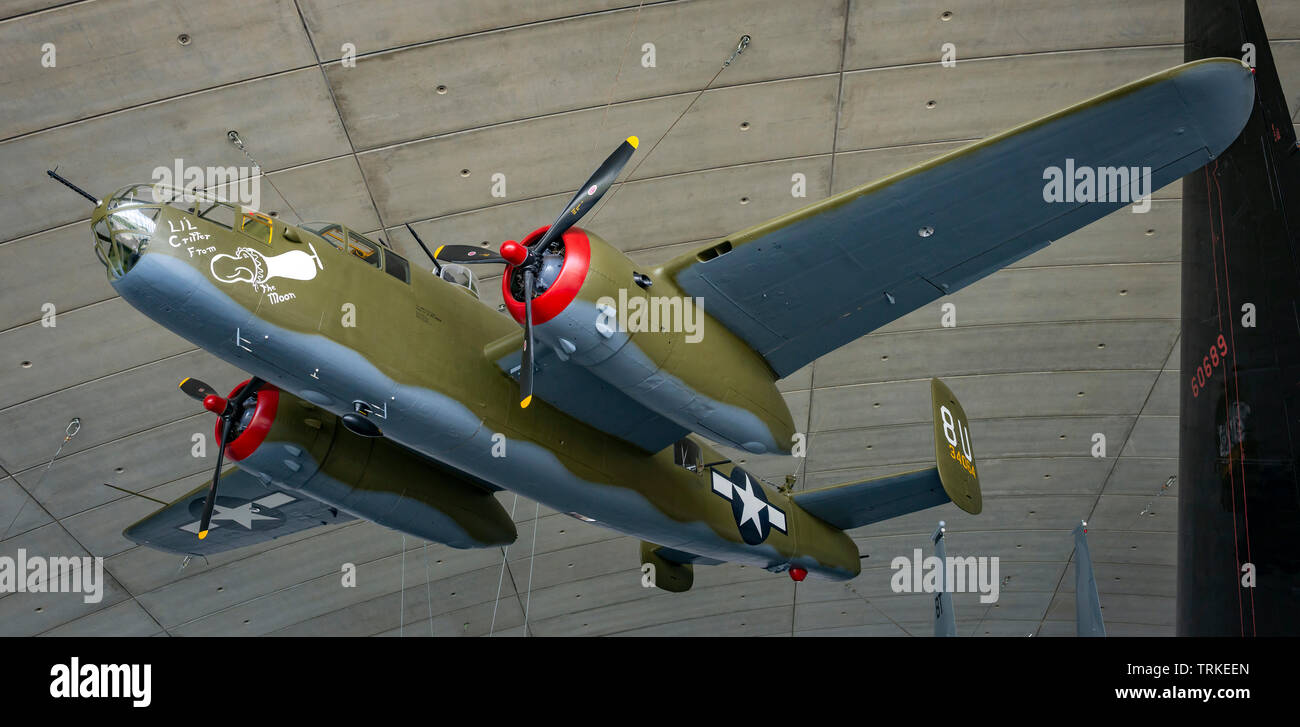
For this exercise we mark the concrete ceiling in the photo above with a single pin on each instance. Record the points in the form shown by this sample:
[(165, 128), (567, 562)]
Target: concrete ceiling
[(1078, 339)]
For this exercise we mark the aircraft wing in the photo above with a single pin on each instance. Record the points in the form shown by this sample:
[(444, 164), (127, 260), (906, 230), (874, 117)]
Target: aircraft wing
[(806, 283), (247, 512)]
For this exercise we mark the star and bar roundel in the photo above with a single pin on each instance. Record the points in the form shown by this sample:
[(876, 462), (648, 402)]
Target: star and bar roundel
[(260, 514), (755, 516)]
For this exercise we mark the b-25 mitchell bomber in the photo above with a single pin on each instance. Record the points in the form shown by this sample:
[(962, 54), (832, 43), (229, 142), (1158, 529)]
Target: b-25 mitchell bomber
[(414, 416)]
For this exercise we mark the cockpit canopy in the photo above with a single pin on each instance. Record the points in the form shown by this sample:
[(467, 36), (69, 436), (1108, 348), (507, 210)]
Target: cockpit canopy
[(361, 247), (460, 275), (129, 222)]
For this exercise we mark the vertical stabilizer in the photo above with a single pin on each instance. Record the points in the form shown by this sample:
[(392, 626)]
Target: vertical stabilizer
[(1087, 604), (1239, 427)]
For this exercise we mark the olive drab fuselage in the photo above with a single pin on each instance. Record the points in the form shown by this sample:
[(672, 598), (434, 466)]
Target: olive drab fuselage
[(414, 352)]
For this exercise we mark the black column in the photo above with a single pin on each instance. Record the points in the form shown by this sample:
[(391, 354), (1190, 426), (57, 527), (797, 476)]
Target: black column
[(1238, 498)]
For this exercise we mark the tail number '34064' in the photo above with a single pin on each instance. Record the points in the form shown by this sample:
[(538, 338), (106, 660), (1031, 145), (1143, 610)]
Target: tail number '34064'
[(958, 436)]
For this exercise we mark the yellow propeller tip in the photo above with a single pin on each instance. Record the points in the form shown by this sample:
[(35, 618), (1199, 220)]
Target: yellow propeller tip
[(527, 400), (633, 141), (182, 383), (438, 252), (203, 534)]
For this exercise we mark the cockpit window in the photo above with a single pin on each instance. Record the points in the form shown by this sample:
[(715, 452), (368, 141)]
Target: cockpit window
[(256, 225), (460, 275), (218, 212), (363, 248), (396, 266), (686, 454), (332, 233)]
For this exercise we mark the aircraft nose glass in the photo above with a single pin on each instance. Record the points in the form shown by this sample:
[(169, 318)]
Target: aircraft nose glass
[(138, 220), (122, 236)]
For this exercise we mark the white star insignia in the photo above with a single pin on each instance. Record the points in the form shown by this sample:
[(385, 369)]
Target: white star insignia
[(243, 514), (751, 505)]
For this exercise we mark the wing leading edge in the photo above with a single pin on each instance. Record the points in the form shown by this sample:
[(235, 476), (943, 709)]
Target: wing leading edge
[(806, 283)]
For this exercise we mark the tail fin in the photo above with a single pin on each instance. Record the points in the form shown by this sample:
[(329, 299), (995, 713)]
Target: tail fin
[(952, 449), (952, 479), (1087, 605), (1241, 233)]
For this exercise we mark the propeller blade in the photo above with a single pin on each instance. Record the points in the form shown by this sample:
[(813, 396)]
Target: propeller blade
[(466, 255), (227, 425), (590, 193), (196, 389), (211, 499), (526, 363)]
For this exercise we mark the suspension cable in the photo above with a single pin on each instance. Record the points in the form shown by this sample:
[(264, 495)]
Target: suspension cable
[(501, 579), (73, 427), (239, 143), (609, 98), (531, 557), (401, 609), (428, 589), (740, 48)]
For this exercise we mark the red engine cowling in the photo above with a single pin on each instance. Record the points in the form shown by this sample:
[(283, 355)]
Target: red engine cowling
[(563, 289), (294, 445), (586, 313), (252, 434)]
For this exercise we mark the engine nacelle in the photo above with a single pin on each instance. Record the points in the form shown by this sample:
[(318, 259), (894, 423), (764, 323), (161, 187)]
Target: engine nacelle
[(662, 573), (646, 338), (294, 445)]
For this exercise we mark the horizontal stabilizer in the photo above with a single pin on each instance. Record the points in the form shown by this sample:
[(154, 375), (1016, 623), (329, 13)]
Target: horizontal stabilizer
[(862, 503), (953, 479)]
